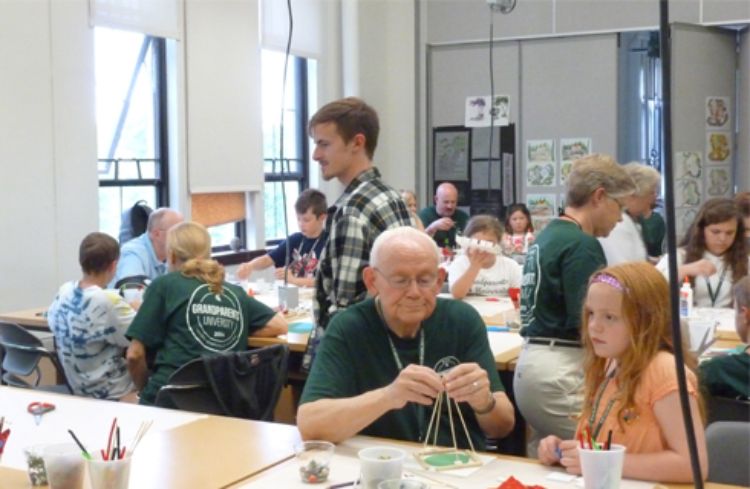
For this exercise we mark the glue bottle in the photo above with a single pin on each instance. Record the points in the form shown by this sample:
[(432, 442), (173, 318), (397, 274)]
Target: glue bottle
[(686, 299)]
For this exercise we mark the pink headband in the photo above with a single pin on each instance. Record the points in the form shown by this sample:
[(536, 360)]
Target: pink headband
[(603, 278)]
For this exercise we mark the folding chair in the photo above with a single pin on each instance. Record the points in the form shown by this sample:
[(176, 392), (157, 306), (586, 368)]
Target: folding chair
[(728, 445), (240, 384), (22, 353)]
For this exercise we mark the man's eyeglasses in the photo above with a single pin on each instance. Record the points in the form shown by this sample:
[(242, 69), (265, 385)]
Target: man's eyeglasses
[(401, 283)]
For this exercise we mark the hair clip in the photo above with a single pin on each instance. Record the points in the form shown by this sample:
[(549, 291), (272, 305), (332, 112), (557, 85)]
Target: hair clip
[(604, 278)]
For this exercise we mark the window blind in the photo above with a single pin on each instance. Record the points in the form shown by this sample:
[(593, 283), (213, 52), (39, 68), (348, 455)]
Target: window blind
[(160, 18)]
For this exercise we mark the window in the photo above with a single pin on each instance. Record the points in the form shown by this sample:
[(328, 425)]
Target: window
[(131, 123), (291, 174)]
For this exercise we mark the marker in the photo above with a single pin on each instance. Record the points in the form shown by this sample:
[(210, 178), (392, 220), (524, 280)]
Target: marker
[(84, 452)]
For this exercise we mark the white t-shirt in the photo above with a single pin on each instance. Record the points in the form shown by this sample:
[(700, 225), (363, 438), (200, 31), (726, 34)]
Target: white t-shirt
[(624, 243), (496, 280), (89, 327), (721, 281)]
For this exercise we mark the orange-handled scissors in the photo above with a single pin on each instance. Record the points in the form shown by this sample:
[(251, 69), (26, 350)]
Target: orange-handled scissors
[(38, 409)]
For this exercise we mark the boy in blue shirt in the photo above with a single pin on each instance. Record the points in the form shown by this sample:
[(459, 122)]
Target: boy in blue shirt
[(305, 246), (729, 376), (89, 324)]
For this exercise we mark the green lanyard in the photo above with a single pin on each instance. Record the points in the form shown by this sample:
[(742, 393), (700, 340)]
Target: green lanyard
[(711, 293), (400, 365), (596, 429)]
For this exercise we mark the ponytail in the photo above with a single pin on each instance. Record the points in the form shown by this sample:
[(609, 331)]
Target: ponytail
[(207, 270)]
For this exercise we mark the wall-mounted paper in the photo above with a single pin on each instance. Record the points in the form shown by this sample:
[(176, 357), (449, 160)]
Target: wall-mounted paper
[(570, 150), (479, 107), (452, 155), (541, 205), (718, 147), (688, 164), (717, 112), (688, 192), (718, 181)]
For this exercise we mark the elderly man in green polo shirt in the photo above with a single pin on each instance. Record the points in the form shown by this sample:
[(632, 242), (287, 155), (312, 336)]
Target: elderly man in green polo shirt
[(375, 372)]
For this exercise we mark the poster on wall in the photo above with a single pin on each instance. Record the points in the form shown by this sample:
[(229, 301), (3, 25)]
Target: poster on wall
[(688, 164), (718, 181), (688, 192), (717, 112), (718, 147), (540, 163), (451, 153), (479, 108), (570, 150)]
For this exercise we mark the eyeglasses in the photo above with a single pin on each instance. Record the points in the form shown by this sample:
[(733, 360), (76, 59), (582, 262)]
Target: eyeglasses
[(402, 283)]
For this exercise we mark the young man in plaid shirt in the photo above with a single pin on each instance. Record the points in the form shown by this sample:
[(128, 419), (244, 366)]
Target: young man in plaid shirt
[(345, 134)]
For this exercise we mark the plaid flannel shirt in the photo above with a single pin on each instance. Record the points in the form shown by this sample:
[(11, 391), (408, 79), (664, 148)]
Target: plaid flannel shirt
[(365, 209)]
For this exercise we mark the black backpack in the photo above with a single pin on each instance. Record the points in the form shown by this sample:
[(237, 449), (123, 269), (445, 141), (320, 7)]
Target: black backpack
[(134, 221)]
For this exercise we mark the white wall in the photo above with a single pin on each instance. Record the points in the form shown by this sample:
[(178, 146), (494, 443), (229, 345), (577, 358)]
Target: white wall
[(386, 74), (742, 178), (48, 182)]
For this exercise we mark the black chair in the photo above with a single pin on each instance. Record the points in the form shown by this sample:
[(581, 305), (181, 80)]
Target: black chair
[(728, 444), (22, 352), (727, 409), (239, 384)]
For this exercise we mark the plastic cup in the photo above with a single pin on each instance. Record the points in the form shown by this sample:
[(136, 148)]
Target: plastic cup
[(402, 484), (313, 458), (378, 464), (35, 464), (64, 465), (602, 469), (109, 474)]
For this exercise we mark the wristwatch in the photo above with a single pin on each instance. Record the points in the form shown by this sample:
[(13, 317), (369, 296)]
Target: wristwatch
[(490, 406)]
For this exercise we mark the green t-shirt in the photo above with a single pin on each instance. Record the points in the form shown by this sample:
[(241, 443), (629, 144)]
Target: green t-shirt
[(181, 319), (653, 230), (428, 215), (727, 376), (355, 357), (555, 275)]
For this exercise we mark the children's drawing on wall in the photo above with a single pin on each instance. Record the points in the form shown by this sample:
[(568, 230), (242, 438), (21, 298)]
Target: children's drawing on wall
[(540, 163), (501, 110), (717, 112), (540, 150), (542, 209), (688, 164), (718, 146), (573, 148), (476, 112), (688, 192), (452, 155), (479, 109), (719, 182), (540, 174), (570, 150), (541, 205)]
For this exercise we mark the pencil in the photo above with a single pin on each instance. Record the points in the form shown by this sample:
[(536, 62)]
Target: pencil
[(609, 440)]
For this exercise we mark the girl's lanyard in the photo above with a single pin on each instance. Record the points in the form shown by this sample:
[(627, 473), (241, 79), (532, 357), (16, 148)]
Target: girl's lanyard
[(399, 364), (592, 418), (711, 293)]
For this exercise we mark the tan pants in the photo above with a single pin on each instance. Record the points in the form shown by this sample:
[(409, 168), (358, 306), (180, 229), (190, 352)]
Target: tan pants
[(548, 384)]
